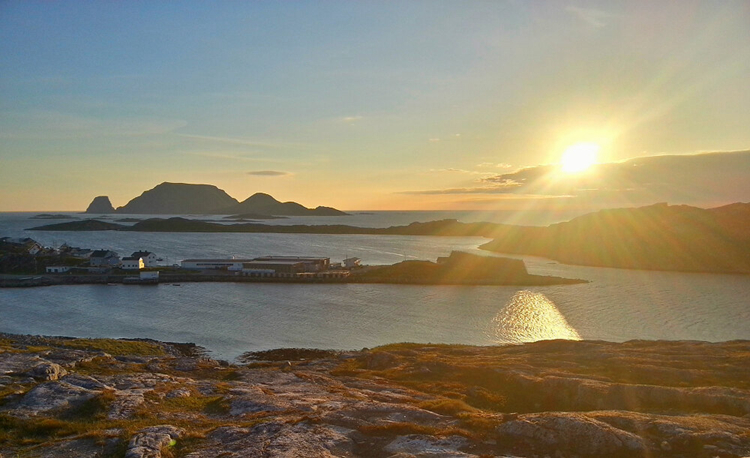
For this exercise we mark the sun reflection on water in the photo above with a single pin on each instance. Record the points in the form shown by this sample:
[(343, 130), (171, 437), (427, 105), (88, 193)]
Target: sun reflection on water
[(529, 317)]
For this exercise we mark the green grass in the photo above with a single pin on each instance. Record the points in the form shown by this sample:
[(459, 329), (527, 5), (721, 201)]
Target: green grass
[(114, 347)]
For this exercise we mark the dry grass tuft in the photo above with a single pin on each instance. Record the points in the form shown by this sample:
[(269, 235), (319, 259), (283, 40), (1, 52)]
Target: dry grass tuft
[(447, 406)]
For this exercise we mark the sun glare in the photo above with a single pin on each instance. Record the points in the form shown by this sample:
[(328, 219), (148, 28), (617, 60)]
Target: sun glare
[(579, 157)]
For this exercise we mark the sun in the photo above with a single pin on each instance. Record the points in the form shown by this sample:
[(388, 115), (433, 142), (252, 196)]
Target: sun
[(579, 157)]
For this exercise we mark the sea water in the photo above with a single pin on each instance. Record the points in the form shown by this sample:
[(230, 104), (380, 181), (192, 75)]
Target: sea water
[(229, 319)]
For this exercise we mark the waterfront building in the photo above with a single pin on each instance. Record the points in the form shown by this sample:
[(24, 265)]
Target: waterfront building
[(57, 269), (132, 263), (350, 263), (104, 258), (151, 276), (214, 264), (149, 258), (26, 244), (311, 264), (280, 268)]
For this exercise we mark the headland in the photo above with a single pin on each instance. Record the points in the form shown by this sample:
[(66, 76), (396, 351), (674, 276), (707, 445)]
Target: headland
[(136, 398)]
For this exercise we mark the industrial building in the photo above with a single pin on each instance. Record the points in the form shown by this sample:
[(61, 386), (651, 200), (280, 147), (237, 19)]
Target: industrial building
[(215, 264), (311, 264), (266, 268), (271, 267)]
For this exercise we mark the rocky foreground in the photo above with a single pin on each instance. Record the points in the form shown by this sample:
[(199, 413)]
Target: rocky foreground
[(115, 398)]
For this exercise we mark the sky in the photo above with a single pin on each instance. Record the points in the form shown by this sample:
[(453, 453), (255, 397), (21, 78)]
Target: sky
[(376, 105)]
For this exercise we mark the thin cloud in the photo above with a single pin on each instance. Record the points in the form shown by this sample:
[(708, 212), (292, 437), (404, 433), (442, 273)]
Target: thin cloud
[(60, 125), (268, 173), (690, 179), (698, 179), (591, 16), (242, 141), (501, 165), (227, 156), (248, 157), (499, 188), (455, 170), (351, 119)]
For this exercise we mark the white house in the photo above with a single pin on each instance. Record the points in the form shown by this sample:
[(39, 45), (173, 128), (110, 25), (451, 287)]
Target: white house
[(149, 258), (132, 263), (57, 269)]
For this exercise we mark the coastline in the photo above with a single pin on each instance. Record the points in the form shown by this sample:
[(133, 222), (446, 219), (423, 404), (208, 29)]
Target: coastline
[(21, 281), (142, 398)]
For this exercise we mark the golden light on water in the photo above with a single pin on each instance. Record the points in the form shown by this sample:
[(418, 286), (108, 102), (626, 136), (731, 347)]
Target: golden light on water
[(579, 157), (529, 317)]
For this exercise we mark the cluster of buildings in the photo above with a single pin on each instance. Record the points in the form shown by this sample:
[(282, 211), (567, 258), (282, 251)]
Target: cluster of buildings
[(277, 266), (107, 259), (26, 254), (72, 259), (21, 244)]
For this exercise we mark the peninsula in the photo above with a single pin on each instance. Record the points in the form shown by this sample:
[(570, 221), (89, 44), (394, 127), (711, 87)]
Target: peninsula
[(457, 269), (101, 398), (656, 237)]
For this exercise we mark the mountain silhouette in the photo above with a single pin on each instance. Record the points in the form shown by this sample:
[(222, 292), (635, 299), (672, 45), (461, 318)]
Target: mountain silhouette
[(184, 199), (179, 198), (655, 237), (264, 204)]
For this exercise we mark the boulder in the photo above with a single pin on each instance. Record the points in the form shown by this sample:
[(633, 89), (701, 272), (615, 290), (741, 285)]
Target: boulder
[(571, 433), (47, 371), (428, 446), (53, 395), (148, 443)]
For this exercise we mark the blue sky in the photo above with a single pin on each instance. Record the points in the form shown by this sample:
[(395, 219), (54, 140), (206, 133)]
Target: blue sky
[(358, 105)]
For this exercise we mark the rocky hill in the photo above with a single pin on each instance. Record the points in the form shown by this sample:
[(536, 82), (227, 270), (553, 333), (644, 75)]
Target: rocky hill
[(657, 237), (187, 199), (179, 198), (138, 399), (100, 205), (264, 204)]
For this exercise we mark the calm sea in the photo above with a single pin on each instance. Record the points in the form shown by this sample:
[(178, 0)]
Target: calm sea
[(230, 319)]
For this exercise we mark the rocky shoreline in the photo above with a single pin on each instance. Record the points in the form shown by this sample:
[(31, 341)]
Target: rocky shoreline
[(135, 398)]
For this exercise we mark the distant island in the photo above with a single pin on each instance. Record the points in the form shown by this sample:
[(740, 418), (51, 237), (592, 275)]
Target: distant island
[(656, 237), (446, 227), (204, 199), (52, 216)]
